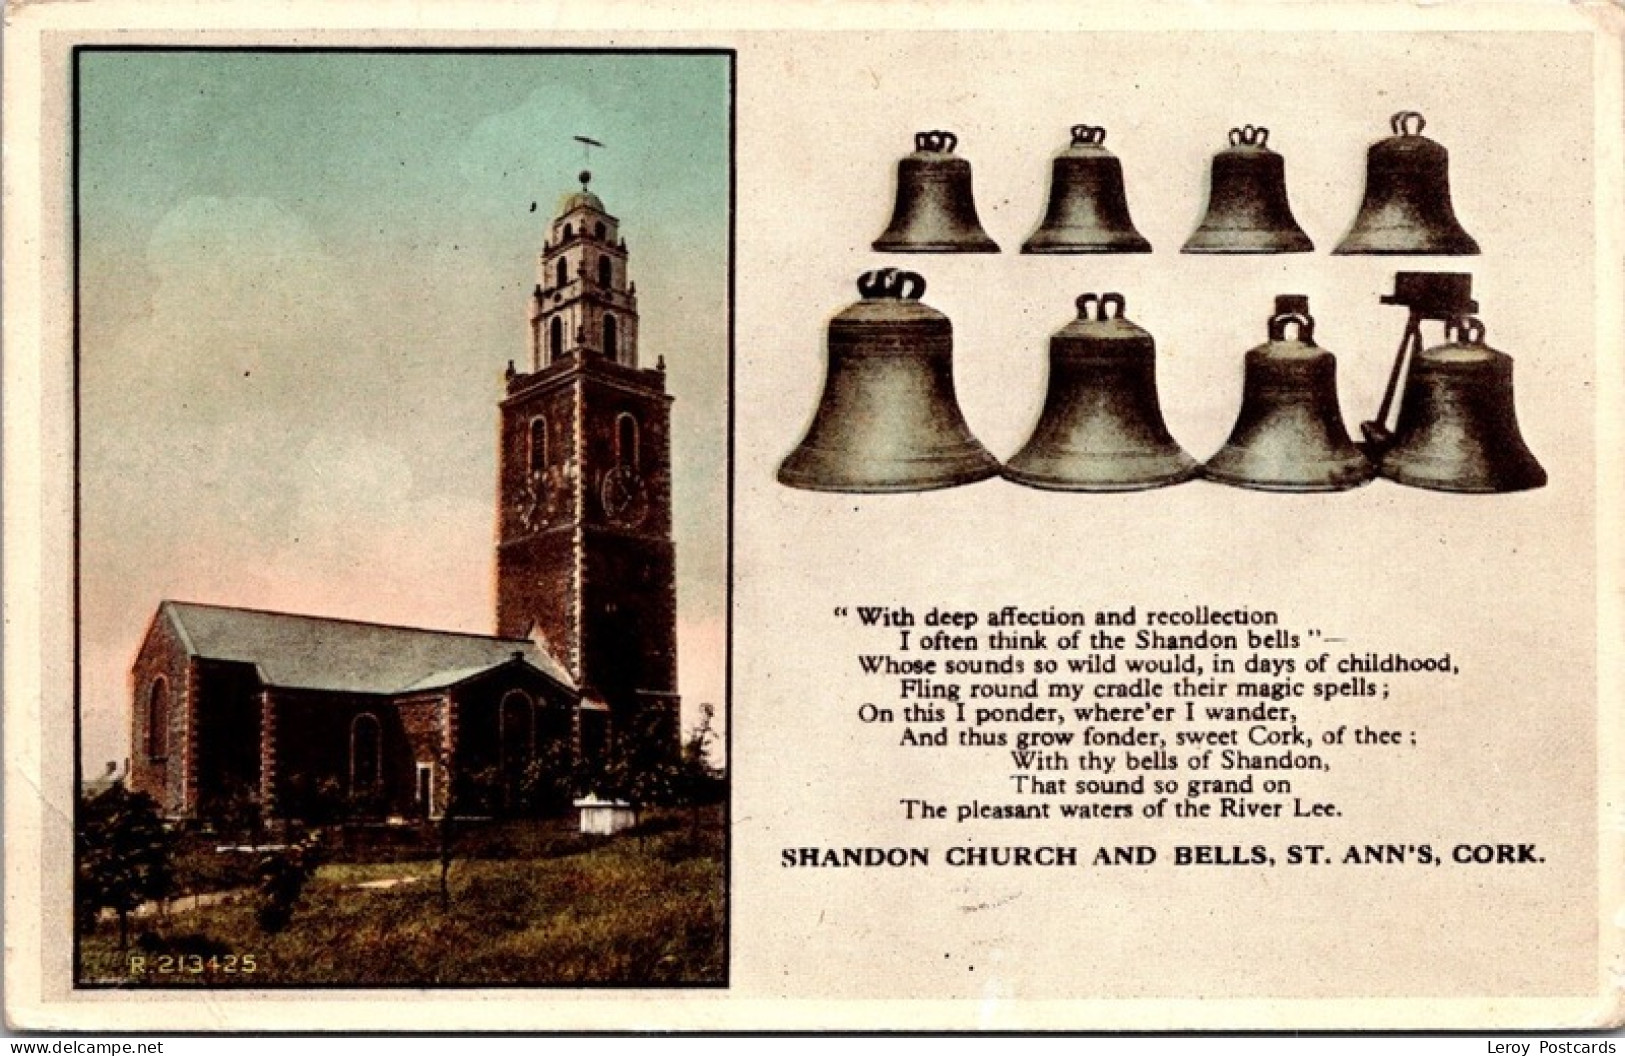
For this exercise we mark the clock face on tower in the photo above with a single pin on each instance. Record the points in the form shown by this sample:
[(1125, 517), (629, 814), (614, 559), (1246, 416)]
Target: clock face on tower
[(624, 496), (531, 502)]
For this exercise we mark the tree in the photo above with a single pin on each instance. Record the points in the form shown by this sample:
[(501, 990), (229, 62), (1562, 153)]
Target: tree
[(282, 876), (235, 812), (702, 781), (468, 792), (123, 856), (315, 800), (640, 767), (643, 770), (547, 783)]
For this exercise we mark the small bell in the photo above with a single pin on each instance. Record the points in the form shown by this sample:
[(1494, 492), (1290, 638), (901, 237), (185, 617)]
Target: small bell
[(1247, 208), (935, 212), (888, 419), (1458, 426), (1407, 205), (1289, 435), (1088, 209), (1101, 428)]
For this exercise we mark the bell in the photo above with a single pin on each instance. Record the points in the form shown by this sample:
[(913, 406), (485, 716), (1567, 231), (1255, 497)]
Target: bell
[(1436, 295), (1289, 435), (935, 211), (1407, 197), (1458, 428), (1101, 428), (1088, 211), (1247, 209), (888, 419)]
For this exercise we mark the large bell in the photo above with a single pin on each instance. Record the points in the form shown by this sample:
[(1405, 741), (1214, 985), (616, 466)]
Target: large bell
[(1458, 428), (888, 419), (1428, 295), (1247, 208), (1289, 435), (1101, 428), (1407, 197), (935, 212), (1088, 210)]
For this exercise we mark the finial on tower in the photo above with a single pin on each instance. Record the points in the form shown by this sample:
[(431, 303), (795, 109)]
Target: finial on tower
[(587, 143)]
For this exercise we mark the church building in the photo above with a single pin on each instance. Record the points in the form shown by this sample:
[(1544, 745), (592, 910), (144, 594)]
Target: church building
[(280, 709)]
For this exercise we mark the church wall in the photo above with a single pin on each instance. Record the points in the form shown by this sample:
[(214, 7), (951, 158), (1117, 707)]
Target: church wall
[(536, 573), (544, 735), (630, 638), (531, 504), (226, 735), (661, 718), (316, 771), (423, 724), (605, 405), (629, 573), (536, 583), (163, 776)]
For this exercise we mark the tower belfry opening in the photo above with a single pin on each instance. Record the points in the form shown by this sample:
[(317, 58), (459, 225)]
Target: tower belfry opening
[(583, 304)]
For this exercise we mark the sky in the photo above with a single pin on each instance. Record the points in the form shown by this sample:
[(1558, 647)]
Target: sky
[(302, 276)]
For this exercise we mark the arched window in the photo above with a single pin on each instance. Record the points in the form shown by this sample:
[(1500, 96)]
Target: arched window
[(626, 441), (612, 342), (514, 733), (538, 445), (366, 752), (569, 232), (158, 719), (606, 271), (598, 229), (562, 273), (555, 339)]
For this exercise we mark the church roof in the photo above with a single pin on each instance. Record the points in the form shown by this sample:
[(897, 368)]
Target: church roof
[(317, 652)]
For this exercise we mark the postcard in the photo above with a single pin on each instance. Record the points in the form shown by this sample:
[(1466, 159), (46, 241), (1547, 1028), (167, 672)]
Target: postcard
[(819, 517)]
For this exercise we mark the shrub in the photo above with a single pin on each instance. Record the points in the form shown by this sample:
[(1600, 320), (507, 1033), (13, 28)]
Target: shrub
[(123, 857), (282, 880)]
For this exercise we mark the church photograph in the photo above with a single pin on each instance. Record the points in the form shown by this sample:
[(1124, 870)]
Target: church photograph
[(402, 454), (276, 705)]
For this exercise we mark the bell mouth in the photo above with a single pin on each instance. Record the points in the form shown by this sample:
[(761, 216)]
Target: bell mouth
[(1445, 476), (836, 470), (1107, 472), (1405, 242), (1339, 475), (1084, 240), (1242, 240), (970, 244)]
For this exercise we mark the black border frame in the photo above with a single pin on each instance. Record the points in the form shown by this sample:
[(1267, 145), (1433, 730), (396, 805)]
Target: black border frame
[(731, 55)]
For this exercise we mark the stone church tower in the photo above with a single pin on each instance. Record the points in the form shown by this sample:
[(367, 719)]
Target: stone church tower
[(585, 559)]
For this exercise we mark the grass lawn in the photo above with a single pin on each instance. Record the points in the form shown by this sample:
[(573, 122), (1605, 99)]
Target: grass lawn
[(626, 910)]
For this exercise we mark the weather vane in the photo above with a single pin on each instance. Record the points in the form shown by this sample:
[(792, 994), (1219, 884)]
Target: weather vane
[(586, 156)]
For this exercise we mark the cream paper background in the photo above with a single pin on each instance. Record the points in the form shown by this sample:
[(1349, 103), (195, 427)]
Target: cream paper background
[(1523, 747)]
